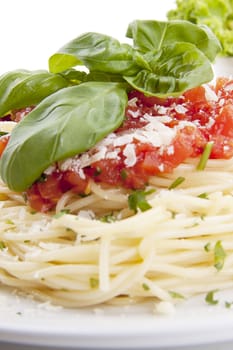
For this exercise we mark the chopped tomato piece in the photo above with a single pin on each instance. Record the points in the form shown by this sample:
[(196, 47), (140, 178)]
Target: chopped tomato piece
[(71, 179), (224, 122), (3, 142)]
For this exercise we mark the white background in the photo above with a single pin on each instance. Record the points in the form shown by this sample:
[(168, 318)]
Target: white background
[(31, 30)]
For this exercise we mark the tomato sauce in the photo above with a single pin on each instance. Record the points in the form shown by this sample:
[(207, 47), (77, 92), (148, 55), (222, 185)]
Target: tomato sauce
[(186, 123)]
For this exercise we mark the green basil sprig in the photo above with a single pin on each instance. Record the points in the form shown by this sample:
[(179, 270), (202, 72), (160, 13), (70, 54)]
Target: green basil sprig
[(166, 58), (64, 124), (23, 88)]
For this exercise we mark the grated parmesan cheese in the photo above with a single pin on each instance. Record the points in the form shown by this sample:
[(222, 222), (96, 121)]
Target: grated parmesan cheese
[(228, 87), (134, 114), (129, 153), (181, 109), (210, 95)]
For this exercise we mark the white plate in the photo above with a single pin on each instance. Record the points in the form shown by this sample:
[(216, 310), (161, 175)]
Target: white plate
[(24, 321)]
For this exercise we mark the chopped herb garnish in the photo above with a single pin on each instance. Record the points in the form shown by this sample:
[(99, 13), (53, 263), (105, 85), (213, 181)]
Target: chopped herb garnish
[(108, 218), (25, 197), (210, 297), (33, 212), (61, 213), (173, 214), (177, 182), (137, 200), (94, 282), (228, 304), (219, 255), (9, 222), (176, 295), (2, 245), (124, 174), (97, 171), (203, 195), (3, 133), (207, 247), (195, 224), (42, 178), (145, 287), (205, 156)]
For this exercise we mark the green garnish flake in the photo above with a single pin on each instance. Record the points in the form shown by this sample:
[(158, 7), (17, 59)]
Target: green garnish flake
[(97, 171), (210, 297), (124, 174), (2, 245), (61, 213), (176, 295), (205, 156), (3, 133), (108, 218), (177, 182), (207, 247), (219, 256), (145, 287), (137, 200), (9, 222), (203, 196), (228, 304), (94, 282)]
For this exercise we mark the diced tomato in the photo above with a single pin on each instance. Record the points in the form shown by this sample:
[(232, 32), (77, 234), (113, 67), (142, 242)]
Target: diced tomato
[(71, 179), (50, 187), (224, 122), (36, 201), (3, 142), (196, 95), (107, 171), (224, 88), (45, 193)]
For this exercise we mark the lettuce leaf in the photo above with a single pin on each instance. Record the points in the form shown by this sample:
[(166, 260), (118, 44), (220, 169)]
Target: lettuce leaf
[(216, 14)]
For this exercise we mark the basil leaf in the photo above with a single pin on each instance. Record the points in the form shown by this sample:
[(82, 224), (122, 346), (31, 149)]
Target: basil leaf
[(97, 52), (64, 124), (23, 88), (152, 35), (171, 70)]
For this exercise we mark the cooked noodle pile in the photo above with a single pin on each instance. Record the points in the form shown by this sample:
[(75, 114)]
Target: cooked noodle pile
[(80, 256)]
